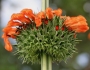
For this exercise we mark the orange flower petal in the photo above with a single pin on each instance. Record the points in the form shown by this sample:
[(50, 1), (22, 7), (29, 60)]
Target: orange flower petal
[(82, 28), (81, 18), (57, 12), (8, 46), (10, 31), (77, 24), (38, 21), (20, 17), (49, 13), (11, 23), (41, 15), (28, 13)]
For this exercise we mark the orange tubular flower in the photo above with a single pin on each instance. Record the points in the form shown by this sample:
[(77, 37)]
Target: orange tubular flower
[(41, 15), (77, 24), (57, 12), (20, 17), (11, 23), (8, 46), (11, 32), (38, 21), (28, 13), (80, 18), (49, 13)]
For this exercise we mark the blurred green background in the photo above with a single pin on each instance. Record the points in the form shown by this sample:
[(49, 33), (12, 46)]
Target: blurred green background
[(79, 61)]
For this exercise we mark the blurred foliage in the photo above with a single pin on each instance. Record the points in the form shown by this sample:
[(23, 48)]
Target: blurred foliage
[(71, 8)]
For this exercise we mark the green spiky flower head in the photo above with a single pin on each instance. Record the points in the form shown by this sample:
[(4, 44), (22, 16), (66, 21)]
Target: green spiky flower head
[(52, 38)]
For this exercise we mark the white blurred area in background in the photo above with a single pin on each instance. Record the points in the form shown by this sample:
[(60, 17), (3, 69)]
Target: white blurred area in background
[(15, 6)]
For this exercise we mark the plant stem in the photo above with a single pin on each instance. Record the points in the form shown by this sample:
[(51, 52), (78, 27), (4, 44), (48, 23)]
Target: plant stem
[(46, 61), (45, 4), (49, 63)]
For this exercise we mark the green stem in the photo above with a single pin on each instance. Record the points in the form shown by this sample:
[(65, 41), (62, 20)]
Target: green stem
[(45, 4), (49, 63), (46, 61)]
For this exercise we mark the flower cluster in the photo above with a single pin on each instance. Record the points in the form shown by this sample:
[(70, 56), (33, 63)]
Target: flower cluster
[(44, 29)]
